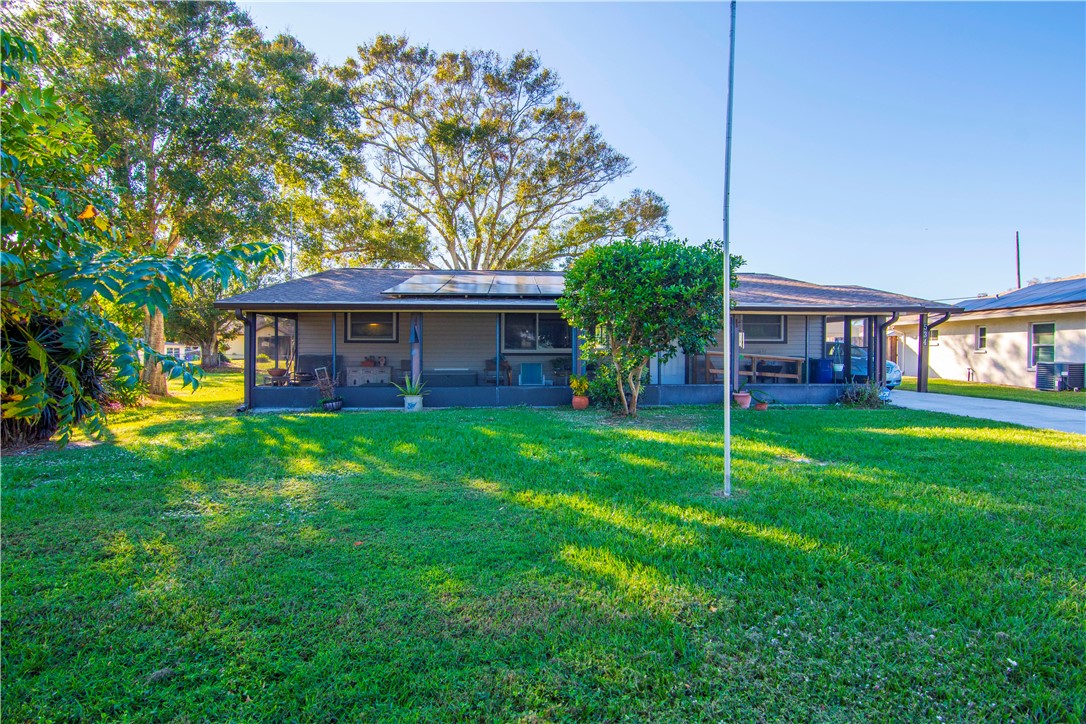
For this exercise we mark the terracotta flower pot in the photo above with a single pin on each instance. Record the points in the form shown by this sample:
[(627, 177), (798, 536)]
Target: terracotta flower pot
[(761, 405), (580, 402), (742, 399), (277, 371)]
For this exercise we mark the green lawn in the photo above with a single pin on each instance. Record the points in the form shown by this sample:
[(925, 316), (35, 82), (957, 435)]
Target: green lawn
[(545, 564), (1075, 400)]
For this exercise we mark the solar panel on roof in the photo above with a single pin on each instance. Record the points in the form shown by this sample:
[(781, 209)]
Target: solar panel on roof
[(479, 285)]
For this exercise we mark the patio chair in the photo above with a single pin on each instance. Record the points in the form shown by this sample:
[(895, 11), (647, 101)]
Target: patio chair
[(531, 373), (490, 371)]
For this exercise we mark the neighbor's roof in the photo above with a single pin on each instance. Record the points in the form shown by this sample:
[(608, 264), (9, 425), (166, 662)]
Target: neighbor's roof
[(343, 289), (1061, 291)]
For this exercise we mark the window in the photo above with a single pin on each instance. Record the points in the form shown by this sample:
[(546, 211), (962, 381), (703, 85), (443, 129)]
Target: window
[(763, 328), (933, 338), (1042, 343), (536, 332), (371, 327), (980, 340)]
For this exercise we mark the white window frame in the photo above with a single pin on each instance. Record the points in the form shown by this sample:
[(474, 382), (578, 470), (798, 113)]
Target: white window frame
[(980, 338), (347, 337), (538, 349), (781, 339), (1030, 364)]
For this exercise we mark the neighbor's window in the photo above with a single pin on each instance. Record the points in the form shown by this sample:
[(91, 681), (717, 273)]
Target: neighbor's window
[(534, 332), (371, 327), (763, 328), (1042, 343), (981, 339)]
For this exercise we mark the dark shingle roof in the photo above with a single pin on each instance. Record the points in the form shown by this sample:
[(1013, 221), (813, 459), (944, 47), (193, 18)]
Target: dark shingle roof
[(362, 289), (767, 292), (1062, 291)]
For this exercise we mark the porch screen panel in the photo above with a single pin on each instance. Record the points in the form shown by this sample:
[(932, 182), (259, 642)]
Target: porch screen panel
[(860, 336), (554, 332), (520, 332)]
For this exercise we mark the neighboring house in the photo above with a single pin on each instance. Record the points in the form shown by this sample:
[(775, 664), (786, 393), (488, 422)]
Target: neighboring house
[(496, 338), (1001, 339), (183, 352)]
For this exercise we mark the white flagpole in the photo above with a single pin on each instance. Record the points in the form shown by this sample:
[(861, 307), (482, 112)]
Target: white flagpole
[(727, 265)]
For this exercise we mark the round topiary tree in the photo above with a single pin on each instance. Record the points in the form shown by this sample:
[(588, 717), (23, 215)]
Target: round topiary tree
[(633, 300)]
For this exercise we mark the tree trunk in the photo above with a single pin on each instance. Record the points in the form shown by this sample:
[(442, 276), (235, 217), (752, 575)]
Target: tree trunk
[(154, 332), (209, 351)]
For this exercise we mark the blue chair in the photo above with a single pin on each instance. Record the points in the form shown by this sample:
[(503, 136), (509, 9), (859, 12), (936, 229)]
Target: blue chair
[(531, 373)]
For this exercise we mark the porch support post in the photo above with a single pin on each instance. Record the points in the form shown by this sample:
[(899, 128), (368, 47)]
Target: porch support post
[(847, 359), (806, 349), (733, 359), (276, 318), (922, 355), (335, 372), (250, 358), (881, 362), (497, 350), (416, 345)]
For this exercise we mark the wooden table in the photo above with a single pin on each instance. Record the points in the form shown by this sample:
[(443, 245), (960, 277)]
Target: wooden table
[(757, 359)]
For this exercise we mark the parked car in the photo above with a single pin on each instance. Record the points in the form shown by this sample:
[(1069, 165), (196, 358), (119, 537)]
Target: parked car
[(859, 365)]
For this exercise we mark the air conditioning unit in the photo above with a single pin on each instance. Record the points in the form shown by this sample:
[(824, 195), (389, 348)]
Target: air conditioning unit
[(1073, 378), (1047, 379)]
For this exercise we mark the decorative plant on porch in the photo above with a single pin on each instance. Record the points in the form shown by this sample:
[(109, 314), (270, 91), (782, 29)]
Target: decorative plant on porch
[(579, 385), (327, 386), (412, 391), (646, 298)]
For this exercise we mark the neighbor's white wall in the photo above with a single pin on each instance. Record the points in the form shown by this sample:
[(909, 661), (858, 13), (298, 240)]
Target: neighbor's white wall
[(1006, 360)]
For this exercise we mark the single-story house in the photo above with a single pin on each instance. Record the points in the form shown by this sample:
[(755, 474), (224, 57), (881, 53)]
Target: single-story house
[(1028, 337), (493, 338)]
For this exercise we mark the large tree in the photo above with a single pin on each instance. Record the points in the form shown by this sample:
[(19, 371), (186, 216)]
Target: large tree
[(60, 262), (210, 121), (640, 299), (503, 169)]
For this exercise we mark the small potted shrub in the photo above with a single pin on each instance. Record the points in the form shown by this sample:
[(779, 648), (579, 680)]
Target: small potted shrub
[(329, 400), (741, 397), (761, 400), (411, 391), (579, 385)]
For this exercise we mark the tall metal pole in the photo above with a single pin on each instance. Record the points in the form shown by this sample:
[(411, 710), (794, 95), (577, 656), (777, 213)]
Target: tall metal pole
[(727, 348)]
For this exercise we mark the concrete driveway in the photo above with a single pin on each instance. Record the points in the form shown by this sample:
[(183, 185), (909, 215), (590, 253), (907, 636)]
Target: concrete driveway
[(1019, 413)]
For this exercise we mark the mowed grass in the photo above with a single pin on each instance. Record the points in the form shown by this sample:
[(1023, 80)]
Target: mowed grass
[(1074, 400), (524, 564)]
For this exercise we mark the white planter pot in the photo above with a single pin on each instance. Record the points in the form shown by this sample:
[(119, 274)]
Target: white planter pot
[(412, 403)]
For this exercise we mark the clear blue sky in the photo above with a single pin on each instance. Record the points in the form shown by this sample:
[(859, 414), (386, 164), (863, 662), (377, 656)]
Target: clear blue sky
[(891, 145)]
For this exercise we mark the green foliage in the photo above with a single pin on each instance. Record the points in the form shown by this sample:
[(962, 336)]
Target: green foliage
[(61, 262), (194, 320), (209, 122), (411, 386), (862, 394), (579, 384), (643, 298), (489, 156)]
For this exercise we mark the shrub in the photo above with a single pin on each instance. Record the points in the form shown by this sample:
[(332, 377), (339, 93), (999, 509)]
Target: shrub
[(862, 394)]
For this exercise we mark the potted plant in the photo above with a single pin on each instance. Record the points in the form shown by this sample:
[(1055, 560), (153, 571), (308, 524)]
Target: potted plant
[(411, 391), (329, 400), (741, 397), (761, 399), (579, 385)]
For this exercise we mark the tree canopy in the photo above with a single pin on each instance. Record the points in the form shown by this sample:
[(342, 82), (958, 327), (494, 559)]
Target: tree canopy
[(64, 253), (212, 124), (501, 168), (641, 298)]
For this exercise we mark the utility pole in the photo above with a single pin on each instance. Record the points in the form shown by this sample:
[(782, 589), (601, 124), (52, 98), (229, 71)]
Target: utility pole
[(1018, 258), (727, 347)]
